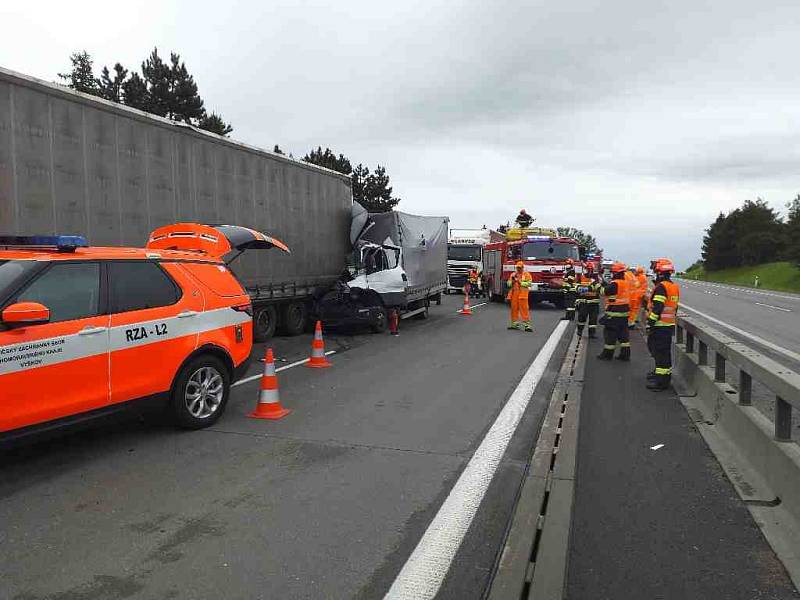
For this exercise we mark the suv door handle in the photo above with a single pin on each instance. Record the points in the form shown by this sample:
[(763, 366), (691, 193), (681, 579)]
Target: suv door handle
[(187, 313), (92, 330)]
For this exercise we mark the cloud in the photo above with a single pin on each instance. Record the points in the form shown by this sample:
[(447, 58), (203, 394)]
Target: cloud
[(611, 116)]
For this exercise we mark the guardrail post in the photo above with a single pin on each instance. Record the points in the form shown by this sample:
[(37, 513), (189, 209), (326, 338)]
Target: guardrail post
[(702, 353), (745, 388), (679, 334), (689, 342), (719, 368), (783, 420)]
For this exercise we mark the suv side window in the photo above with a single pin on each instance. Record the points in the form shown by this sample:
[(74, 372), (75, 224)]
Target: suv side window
[(139, 285), (70, 290)]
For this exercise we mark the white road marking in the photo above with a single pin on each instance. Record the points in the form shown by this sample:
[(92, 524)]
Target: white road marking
[(755, 338), (734, 288), (657, 447), (279, 369), (422, 575), (473, 306), (775, 307)]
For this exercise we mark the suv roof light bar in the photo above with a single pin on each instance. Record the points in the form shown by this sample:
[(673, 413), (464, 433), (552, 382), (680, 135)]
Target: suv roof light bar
[(62, 243)]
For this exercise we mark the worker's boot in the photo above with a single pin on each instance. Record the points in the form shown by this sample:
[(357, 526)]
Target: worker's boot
[(514, 325), (624, 353), (528, 328), (592, 332), (659, 383), (607, 353)]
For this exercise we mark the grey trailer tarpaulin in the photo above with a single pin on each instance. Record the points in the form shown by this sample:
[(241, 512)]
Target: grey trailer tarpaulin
[(424, 243)]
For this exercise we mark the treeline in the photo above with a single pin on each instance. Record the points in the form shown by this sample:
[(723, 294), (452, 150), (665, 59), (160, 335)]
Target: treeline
[(370, 189), (166, 89), (753, 234)]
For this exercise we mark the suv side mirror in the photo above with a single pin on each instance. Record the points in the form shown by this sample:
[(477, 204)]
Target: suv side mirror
[(23, 314)]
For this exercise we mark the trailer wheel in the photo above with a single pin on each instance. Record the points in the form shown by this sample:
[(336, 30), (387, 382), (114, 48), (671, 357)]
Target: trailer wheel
[(380, 322), (424, 314), (438, 299), (265, 322), (293, 318)]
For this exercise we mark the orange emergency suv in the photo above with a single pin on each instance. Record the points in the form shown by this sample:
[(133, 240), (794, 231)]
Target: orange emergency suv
[(85, 331)]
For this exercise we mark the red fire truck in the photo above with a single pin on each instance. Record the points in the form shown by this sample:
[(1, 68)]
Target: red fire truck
[(545, 255)]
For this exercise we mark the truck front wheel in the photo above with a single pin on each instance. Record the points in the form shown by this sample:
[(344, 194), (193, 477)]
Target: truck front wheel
[(265, 321), (293, 318)]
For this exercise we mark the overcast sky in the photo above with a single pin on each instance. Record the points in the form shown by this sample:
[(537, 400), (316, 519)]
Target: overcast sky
[(637, 121)]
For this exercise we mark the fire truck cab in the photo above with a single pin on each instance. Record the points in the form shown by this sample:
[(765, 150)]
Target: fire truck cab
[(545, 255)]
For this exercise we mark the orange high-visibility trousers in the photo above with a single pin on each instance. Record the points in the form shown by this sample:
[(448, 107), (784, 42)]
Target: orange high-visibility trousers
[(635, 306), (519, 308)]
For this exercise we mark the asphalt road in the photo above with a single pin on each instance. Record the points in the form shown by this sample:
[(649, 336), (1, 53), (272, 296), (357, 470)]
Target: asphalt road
[(771, 316), (654, 515), (327, 503)]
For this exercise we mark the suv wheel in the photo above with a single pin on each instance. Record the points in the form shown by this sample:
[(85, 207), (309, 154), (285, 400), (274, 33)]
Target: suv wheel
[(200, 393)]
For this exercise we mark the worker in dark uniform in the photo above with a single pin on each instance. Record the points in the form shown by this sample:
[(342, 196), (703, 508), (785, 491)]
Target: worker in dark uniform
[(615, 319), (588, 301), (570, 288), (661, 325), (524, 220)]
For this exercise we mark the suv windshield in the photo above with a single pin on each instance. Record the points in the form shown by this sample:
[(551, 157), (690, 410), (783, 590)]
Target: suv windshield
[(464, 253), (10, 271), (549, 250)]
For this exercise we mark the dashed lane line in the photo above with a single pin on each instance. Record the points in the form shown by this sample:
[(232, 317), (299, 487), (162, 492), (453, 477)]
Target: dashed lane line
[(775, 307), (744, 290), (423, 573), (279, 369), (759, 340)]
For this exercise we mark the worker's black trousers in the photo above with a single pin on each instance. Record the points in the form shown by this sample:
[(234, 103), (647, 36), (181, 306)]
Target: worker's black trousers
[(587, 311), (615, 329), (569, 303), (659, 342)]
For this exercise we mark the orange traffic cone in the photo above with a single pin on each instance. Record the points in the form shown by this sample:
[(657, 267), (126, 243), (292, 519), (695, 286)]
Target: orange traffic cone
[(318, 360), (269, 403), (466, 310)]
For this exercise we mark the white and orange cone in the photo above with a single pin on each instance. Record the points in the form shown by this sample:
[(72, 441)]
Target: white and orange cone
[(269, 403), (466, 310), (318, 360)]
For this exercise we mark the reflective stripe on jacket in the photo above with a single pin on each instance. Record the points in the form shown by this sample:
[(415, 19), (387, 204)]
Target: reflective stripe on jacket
[(519, 284)]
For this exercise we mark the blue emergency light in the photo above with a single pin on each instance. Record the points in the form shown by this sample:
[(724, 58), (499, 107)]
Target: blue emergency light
[(62, 243)]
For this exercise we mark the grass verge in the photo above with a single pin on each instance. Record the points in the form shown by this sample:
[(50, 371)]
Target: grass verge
[(779, 276)]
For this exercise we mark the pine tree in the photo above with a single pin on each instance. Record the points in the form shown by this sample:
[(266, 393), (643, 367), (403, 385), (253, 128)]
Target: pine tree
[(111, 89), (135, 93), (215, 124), (377, 193), (186, 104), (329, 160), (157, 76), (81, 78), (793, 231)]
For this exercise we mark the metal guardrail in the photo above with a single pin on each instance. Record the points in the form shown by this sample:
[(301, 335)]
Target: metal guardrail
[(781, 381)]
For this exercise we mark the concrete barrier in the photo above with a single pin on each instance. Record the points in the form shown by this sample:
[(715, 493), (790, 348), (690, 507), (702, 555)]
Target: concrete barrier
[(757, 455)]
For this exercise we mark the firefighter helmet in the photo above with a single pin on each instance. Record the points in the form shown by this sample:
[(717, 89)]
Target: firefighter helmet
[(618, 267), (640, 269), (665, 266), (519, 264)]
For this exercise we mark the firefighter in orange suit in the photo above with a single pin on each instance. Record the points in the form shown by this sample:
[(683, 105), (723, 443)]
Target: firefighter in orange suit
[(519, 283), (633, 291), (640, 298), (661, 325), (615, 319)]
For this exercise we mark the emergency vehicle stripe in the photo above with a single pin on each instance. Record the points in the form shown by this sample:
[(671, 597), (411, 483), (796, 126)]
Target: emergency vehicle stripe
[(64, 348), (539, 269)]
